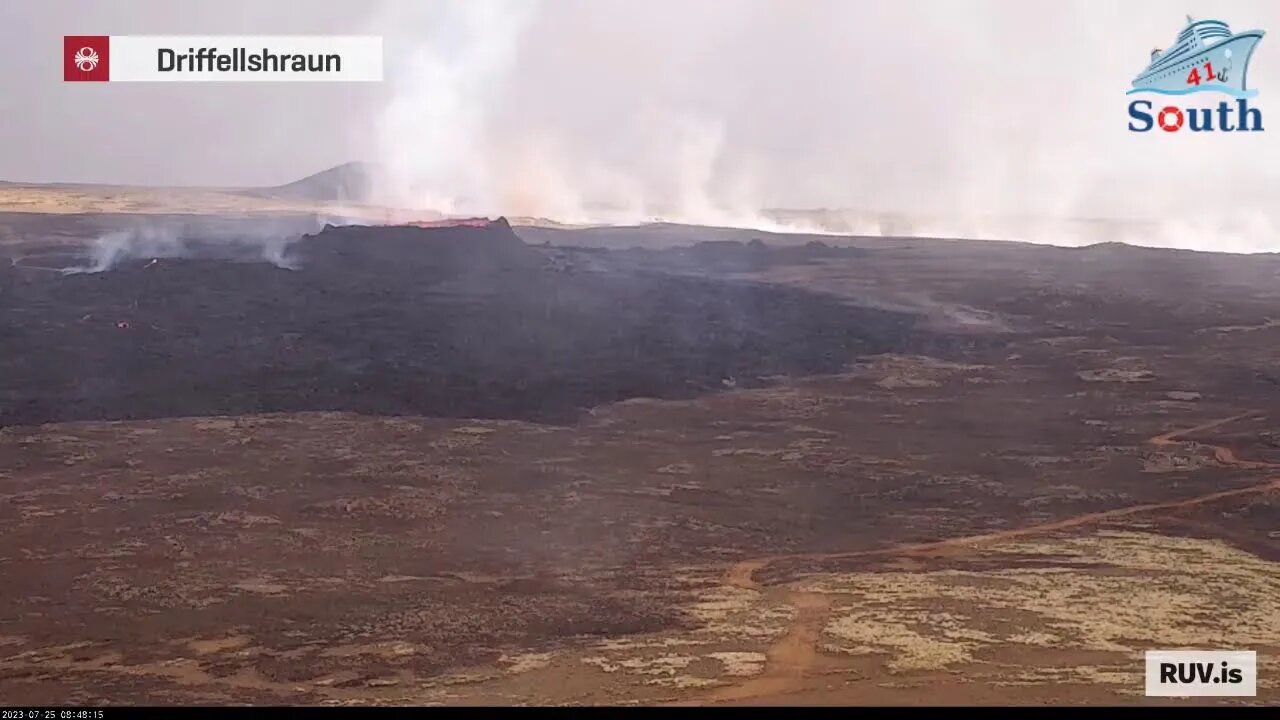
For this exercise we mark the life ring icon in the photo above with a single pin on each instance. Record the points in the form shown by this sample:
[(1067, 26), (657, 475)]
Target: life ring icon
[(1168, 125)]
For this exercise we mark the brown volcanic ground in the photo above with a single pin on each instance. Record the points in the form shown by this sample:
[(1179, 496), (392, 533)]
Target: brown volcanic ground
[(440, 465)]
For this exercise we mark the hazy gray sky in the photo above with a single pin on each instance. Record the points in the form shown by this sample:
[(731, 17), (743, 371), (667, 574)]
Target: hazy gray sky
[(937, 106)]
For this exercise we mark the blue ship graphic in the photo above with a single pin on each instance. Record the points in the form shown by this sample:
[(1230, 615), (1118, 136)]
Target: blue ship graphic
[(1207, 47)]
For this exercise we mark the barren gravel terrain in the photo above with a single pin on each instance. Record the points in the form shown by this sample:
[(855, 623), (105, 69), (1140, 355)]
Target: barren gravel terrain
[(478, 466)]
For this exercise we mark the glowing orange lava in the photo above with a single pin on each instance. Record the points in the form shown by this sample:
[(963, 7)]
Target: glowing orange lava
[(451, 222)]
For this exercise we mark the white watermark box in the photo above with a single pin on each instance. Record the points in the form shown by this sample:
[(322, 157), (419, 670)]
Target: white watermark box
[(1202, 673)]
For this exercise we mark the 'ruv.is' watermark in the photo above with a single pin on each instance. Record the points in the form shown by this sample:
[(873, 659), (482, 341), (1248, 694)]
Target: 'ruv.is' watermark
[(1202, 673)]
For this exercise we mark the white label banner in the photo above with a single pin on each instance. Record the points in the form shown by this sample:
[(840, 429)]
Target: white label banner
[(246, 58), (1202, 673)]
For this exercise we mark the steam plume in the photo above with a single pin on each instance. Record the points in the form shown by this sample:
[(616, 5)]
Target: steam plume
[(983, 118), (264, 239)]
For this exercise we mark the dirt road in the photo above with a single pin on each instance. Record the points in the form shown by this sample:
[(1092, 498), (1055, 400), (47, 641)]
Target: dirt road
[(792, 656)]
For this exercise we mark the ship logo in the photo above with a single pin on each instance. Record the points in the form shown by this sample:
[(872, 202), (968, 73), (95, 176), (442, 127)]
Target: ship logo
[(1205, 57)]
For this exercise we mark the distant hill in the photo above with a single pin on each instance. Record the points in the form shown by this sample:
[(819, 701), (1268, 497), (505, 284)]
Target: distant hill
[(350, 182)]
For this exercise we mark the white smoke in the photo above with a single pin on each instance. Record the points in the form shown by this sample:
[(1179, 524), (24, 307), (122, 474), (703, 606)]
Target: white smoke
[(263, 240), (989, 119), (148, 241), (446, 143), (445, 80)]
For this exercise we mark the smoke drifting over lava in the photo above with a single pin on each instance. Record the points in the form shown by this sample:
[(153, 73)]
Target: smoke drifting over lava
[(255, 239), (999, 118), (982, 118)]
